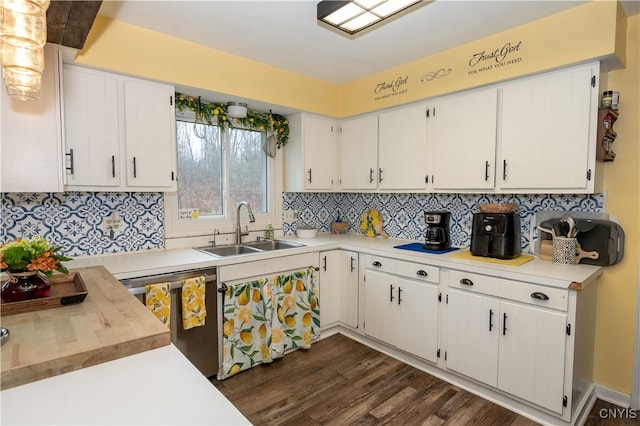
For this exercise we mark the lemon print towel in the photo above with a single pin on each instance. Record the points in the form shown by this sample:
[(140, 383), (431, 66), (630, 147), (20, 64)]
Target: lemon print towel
[(158, 300), (194, 310)]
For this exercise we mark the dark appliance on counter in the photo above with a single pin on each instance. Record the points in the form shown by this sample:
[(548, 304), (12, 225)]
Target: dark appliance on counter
[(604, 237), (496, 235), (437, 236), (198, 344)]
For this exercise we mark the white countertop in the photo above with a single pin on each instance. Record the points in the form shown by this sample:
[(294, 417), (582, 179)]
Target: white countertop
[(156, 387), (162, 261)]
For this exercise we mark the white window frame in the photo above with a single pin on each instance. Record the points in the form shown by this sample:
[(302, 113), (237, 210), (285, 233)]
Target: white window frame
[(226, 223)]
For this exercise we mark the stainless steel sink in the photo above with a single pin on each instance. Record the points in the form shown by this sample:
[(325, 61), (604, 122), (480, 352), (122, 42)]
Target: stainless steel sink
[(249, 248), (273, 245), (230, 250)]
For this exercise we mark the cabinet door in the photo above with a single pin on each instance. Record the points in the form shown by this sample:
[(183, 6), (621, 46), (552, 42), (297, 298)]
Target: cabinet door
[(547, 130), (472, 335), (359, 153), (532, 354), (320, 153), (415, 327), (348, 291), (464, 140), (31, 151), (402, 149), (380, 291), (91, 127), (150, 134), (330, 287)]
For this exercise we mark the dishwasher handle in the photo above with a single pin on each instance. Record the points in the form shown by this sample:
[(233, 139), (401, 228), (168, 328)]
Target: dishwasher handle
[(174, 284)]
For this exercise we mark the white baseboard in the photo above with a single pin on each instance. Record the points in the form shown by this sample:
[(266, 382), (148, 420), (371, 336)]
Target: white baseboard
[(614, 397)]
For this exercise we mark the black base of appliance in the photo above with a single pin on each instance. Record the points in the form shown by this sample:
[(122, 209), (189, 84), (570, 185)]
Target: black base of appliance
[(496, 235), (436, 247)]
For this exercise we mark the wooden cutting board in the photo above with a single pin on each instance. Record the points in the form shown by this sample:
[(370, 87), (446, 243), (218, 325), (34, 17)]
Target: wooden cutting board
[(110, 324)]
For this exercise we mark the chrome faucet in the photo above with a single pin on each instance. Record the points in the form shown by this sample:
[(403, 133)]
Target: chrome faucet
[(252, 219)]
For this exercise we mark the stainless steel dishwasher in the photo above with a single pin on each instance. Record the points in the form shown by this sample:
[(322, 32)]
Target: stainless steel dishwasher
[(198, 344)]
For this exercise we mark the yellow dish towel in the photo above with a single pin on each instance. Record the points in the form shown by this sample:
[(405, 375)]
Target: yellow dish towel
[(158, 300), (194, 310)]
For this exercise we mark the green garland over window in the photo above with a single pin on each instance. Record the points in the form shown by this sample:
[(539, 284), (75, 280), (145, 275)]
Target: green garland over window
[(254, 120)]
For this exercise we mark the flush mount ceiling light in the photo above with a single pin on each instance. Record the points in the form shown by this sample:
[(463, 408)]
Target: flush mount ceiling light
[(352, 18), (236, 110)]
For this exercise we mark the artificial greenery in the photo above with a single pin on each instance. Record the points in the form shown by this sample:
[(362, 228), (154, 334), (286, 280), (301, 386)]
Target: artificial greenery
[(35, 254), (254, 120)]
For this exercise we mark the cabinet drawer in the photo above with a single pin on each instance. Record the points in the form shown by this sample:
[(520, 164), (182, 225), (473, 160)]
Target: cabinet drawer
[(513, 290), (266, 267), (415, 271)]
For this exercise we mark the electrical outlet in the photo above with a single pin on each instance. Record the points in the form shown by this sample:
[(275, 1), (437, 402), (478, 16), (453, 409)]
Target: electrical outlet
[(112, 223), (290, 215)]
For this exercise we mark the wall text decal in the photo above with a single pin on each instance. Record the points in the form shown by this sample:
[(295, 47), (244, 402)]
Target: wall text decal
[(497, 58), (395, 87)]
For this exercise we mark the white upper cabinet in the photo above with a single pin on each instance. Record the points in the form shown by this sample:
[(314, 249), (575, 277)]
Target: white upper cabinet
[(547, 132), (119, 132), (358, 143), (387, 151), (311, 155), (92, 127), (150, 134), (463, 129), (402, 149), (31, 152)]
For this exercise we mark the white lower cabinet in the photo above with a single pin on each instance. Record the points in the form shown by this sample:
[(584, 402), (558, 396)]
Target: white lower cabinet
[(338, 288), (401, 305), (509, 335), (525, 342)]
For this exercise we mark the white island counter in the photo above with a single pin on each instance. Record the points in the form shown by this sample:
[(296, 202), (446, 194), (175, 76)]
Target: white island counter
[(155, 387)]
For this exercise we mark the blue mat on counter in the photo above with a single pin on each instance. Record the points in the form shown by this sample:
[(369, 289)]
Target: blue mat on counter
[(419, 247)]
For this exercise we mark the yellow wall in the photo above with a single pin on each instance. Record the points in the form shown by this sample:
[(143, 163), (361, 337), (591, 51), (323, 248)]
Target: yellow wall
[(582, 33), (124, 48), (617, 290), (578, 34)]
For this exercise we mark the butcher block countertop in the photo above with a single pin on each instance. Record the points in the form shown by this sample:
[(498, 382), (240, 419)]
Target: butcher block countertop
[(108, 325)]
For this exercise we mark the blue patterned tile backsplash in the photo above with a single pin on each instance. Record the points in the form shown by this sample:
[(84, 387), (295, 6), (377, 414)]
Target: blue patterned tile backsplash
[(76, 221), (403, 213)]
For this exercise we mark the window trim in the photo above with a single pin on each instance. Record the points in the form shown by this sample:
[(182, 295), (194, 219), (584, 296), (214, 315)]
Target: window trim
[(226, 223)]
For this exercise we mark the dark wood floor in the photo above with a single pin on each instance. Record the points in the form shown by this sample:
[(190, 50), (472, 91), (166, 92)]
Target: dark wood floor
[(342, 382)]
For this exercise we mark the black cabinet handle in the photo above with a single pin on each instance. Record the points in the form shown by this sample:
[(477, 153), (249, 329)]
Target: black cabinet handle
[(391, 292), (370, 175), (377, 264), (399, 295), (309, 175), (504, 169), (422, 273), (70, 155), (324, 263), (352, 267), (113, 166), (504, 324), (490, 319), (466, 281), (135, 171), (380, 175), (486, 170), (539, 296)]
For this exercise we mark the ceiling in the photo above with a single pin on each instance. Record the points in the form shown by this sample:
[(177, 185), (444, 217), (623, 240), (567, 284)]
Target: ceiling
[(285, 34)]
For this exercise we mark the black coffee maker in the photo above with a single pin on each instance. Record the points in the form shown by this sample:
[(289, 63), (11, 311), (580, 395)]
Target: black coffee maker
[(437, 236), (496, 235)]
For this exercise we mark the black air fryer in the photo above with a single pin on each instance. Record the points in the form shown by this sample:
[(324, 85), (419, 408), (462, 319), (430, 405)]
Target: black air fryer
[(496, 235)]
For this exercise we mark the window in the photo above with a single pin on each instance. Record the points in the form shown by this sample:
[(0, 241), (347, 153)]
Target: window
[(217, 169)]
